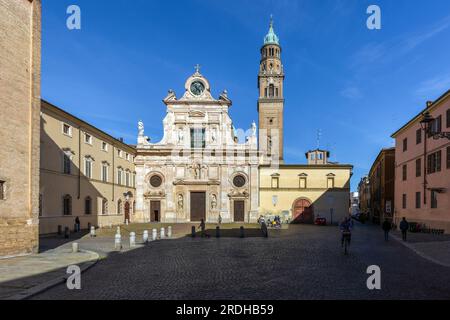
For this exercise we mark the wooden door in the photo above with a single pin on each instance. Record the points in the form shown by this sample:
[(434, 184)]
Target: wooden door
[(239, 211), (198, 206), (303, 211), (155, 211), (127, 211)]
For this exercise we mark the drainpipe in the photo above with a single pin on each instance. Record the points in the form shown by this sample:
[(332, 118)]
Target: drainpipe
[(79, 162)]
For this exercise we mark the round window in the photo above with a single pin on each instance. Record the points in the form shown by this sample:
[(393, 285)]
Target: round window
[(239, 181), (155, 181)]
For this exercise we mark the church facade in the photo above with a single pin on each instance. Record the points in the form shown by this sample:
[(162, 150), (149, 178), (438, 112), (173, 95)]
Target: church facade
[(199, 170)]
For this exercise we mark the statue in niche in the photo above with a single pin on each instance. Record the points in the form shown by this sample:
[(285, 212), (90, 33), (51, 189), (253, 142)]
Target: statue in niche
[(214, 135), (180, 136), (254, 129), (180, 203), (213, 202), (196, 170)]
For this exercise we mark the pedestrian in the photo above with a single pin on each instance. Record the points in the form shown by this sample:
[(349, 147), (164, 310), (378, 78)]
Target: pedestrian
[(202, 227), (404, 226), (77, 224), (220, 219), (387, 226)]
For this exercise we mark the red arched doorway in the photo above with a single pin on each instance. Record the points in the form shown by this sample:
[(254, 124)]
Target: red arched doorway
[(127, 212), (303, 211)]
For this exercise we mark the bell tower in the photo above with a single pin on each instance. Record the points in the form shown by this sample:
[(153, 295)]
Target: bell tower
[(271, 98)]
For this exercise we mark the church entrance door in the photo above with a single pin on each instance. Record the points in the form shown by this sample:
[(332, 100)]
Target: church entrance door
[(155, 211), (127, 212), (239, 212), (198, 206)]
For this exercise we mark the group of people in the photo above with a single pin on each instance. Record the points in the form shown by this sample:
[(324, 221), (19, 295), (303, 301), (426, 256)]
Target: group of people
[(275, 223), (346, 227)]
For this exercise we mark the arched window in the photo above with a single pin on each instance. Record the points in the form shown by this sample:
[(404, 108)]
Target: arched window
[(88, 161), (119, 176), (119, 207), (67, 205), (88, 205), (104, 206), (271, 91)]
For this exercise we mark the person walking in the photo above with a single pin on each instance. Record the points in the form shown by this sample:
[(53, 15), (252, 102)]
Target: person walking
[(77, 224), (202, 227), (387, 226), (404, 226)]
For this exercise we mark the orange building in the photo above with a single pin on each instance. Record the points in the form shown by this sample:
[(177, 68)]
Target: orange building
[(422, 169)]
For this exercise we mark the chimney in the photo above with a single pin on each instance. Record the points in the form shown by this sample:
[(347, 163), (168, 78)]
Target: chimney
[(121, 140), (429, 104)]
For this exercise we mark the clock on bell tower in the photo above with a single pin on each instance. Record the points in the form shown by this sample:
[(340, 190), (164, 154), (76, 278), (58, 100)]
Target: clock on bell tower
[(271, 99)]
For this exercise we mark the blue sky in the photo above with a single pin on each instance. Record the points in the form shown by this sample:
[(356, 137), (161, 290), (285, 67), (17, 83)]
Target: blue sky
[(357, 85)]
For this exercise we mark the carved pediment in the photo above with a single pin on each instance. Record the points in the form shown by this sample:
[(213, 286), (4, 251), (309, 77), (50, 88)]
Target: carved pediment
[(197, 114), (238, 194), (154, 194)]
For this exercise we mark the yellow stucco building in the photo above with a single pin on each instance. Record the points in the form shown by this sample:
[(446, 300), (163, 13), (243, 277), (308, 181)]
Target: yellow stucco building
[(301, 193)]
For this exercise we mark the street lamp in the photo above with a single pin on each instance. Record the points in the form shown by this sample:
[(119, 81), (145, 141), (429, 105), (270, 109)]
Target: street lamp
[(425, 125)]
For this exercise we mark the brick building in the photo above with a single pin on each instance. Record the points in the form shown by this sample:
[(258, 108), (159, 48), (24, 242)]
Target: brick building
[(20, 47)]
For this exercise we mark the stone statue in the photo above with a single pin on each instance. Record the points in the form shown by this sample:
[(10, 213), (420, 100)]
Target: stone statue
[(214, 135), (180, 202), (181, 136), (213, 202), (141, 128), (196, 170), (254, 129)]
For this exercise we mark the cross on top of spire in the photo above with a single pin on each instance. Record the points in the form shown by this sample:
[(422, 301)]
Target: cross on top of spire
[(197, 68)]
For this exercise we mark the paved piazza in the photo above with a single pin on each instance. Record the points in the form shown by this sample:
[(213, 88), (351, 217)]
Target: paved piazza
[(304, 262)]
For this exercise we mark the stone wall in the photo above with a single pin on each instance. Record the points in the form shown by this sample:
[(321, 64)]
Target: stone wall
[(20, 50)]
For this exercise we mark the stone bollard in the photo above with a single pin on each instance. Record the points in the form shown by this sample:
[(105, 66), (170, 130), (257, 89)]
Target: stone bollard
[(75, 228), (217, 232), (132, 239), (193, 231), (169, 232), (66, 232), (145, 236), (242, 232), (92, 231), (162, 234), (118, 241), (75, 247), (154, 234)]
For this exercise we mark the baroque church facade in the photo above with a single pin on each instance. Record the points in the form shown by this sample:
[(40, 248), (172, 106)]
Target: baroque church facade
[(200, 170)]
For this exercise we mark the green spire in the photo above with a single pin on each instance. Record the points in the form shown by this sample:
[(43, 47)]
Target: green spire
[(271, 37)]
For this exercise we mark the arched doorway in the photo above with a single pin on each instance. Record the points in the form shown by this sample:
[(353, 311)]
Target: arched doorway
[(127, 211), (302, 211)]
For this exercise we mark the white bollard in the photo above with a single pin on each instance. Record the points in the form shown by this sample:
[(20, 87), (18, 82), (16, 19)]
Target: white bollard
[(74, 247), (145, 236), (92, 231), (126, 221), (118, 241), (163, 234), (154, 234), (169, 231), (118, 230), (132, 239)]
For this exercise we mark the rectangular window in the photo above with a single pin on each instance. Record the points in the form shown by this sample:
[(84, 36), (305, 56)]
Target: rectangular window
[(119, 177), (105, 173), (66, 129), (104, 146), (88, 205), (2, 190), (275, 183), (88, 168), (87, 138), (435, 126), (448, 157), (330, 183), (418, 167), (419, 136), (67, 205), (434, 202), (404, 172), (434, 162), (119, 153), (67, 164), (418, 200), (448, 118), (198, 138), (405, 144), (404, 201), (127, 179), (302, 183)]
